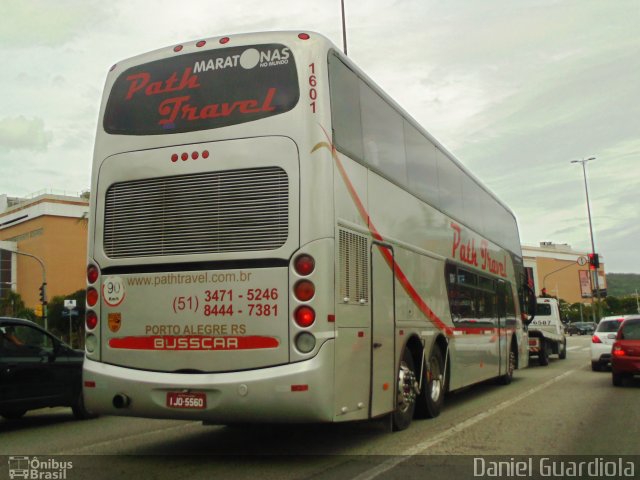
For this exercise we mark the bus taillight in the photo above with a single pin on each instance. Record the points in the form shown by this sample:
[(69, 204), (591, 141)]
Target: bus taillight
[(305, 342), (304, 265), (92, 296), (92, 274), (305, 316), (304, 290), (91, 320)]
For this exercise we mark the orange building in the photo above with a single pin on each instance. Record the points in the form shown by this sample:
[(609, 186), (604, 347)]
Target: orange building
[(52, 228), (563, 272)]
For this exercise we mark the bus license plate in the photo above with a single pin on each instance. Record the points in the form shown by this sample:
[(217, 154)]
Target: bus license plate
[(194, 400)]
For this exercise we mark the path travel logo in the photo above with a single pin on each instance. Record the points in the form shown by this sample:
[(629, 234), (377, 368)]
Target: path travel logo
[(38, 469)]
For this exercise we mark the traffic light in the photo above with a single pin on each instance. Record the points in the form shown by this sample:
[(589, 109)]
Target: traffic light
[(43, 294), (594, 261)]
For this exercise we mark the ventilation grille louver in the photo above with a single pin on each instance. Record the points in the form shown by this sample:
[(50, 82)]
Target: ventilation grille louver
[(210, 212), (354, 267)]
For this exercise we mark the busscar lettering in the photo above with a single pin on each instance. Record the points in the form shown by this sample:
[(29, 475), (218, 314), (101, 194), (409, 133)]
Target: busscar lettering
[(178, 107), (195, 343), (142, 80)]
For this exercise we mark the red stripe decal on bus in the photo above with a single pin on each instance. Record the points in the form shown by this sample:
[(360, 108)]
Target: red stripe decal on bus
[(402, 278), (193, 342)]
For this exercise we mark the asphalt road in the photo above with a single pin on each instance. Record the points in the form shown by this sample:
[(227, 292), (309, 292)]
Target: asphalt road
[(561, 409)]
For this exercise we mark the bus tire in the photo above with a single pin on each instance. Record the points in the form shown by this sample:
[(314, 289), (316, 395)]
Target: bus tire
[(431, 397), (406, 393), (511, 366)]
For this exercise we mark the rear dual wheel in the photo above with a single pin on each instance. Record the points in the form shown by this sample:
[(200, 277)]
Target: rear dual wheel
[(407, 387)]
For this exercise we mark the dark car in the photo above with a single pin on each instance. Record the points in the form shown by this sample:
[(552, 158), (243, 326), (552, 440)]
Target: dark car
[(625, 354), (581, 328), (37, 370)]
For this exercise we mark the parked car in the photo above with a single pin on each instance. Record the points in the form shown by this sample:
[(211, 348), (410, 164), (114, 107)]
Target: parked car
[(37, 370), (581, 328), (602, 341), (625, 354)]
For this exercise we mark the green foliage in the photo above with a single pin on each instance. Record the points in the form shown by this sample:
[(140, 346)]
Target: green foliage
[(58, 318), (608, 306), (12, 305), (623, 284)]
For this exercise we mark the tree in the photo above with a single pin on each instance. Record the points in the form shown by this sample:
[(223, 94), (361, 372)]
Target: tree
[(12, 305), (59, 317)]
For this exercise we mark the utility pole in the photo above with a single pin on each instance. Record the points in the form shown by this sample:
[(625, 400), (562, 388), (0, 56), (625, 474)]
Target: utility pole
[(344, 28), (593, 248)]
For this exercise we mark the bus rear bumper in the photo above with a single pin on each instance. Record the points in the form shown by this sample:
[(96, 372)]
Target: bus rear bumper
[(294, 393)]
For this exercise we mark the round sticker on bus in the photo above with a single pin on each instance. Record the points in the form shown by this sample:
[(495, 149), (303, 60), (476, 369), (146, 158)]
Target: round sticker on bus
[(113, 291)]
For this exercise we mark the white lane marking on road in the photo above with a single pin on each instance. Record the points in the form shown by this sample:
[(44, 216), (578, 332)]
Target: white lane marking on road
[(421, 447), (573, 348), (95, 447)]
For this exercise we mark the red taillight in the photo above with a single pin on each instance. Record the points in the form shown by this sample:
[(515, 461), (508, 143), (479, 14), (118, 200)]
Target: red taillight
[(304, 264), (224, 40), (91, 320), (596, 339), (195, 155), (177, 48), (305, 316), (205, 154), (304, 36), (618, 351), (201, 43), (92, 296), (304, 290), (92, 274)]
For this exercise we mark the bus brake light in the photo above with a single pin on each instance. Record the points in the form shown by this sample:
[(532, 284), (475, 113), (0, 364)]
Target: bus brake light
[(305, 316)]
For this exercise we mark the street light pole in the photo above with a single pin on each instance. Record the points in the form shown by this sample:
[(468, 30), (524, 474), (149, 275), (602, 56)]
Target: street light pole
[(344, 28), (593, 248)]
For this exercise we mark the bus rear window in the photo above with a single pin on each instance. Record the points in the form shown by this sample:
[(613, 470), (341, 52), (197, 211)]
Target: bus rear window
[(203, 90)]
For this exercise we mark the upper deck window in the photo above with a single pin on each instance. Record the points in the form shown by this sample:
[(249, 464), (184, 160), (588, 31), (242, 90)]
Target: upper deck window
[(203, 90)]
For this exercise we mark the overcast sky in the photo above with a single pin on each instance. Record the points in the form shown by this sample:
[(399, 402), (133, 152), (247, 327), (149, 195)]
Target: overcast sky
[(516, 89)]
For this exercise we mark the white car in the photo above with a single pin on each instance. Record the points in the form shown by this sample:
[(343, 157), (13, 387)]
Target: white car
[(603, 338)]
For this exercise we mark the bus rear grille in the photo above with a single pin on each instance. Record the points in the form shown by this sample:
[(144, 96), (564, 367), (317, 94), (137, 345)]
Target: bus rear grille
[(211, 212)]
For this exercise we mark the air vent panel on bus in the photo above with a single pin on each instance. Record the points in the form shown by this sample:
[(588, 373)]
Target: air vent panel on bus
[(210, 212), (354, 267)]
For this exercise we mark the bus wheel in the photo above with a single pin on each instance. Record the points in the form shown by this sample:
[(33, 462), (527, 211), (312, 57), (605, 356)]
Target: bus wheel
[(407, 385), (434, 388), (511, 366), (431, 397)]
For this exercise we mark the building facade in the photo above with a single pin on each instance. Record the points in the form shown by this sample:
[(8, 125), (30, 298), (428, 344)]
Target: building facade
[(45, 235), (563, 272)]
